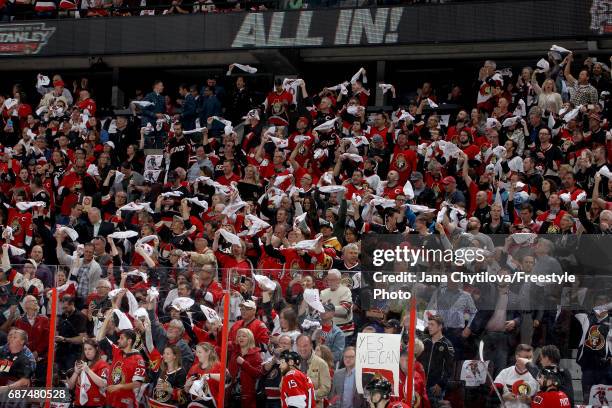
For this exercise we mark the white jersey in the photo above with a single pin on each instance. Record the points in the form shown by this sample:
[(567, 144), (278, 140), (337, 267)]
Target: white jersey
[(517, 384)]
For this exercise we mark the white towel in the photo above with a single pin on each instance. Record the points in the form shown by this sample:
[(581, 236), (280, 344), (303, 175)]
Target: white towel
[(229, 237), (245, 68), (26, 205), (85, 386), (385, 87)]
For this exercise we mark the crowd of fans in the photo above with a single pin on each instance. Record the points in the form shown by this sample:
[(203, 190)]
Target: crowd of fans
[(42, 9), (272, 199)]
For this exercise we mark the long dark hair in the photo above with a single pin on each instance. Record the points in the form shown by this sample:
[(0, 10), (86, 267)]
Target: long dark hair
[(93, 343), (177, 353)]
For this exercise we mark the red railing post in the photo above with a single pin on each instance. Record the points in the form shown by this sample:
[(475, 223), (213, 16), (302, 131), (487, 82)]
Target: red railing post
[(411, 336), (224, 339), (51, 353)]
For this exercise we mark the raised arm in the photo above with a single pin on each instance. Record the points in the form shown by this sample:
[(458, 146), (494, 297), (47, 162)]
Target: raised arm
[(567, 71), (534, 83), (596, 199)]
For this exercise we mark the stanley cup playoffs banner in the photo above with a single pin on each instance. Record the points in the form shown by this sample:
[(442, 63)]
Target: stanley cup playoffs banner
[(422, 24)]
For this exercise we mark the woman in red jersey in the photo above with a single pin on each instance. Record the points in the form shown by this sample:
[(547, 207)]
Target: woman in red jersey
[(89, 377), (207, 370)]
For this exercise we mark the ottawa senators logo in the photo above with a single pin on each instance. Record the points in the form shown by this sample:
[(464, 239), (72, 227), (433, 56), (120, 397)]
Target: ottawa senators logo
[(595, 340), (324, 266), (162, 394), (553, 229), (16, 225), (521, 388), (117, 374), (277, 107)]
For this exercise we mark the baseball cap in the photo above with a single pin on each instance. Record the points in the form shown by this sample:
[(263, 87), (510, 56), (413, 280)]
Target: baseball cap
[(303, 119), (249, 304), (448, 180), (416, 175), (377, 138)]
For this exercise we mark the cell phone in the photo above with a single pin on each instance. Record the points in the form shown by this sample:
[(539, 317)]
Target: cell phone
[(242, 279)]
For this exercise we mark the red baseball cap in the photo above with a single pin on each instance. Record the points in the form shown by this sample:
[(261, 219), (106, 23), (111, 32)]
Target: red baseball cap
[(448, 180)]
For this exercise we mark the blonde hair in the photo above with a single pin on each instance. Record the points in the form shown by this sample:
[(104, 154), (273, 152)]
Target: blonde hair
[(419, 347), (255, 173), (213, 357), (549, 81), (250, 337)]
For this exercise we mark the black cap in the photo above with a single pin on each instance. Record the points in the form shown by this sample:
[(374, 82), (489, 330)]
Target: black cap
[(126, 165), (278, 82), (551, 373), (381, 385), (291, 355), (393, 323)]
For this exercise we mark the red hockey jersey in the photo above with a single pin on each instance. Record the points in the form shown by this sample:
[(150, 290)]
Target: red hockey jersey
[(550, 399), (296, 390), (125, 369)]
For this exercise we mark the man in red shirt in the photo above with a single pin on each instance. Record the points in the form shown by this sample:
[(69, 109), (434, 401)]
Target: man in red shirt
[(276, 168), (296, 389), (37, 328), (404, 160), (360, 92), (248, 311), (553, 216), (392, 188), (228, 174), (465, 144), (277, 104), (127, 369), (380, 127), (549, 395), (86, 103)]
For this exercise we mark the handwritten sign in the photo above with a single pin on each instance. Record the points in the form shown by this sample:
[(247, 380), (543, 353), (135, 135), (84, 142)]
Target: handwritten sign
[(378, 355)]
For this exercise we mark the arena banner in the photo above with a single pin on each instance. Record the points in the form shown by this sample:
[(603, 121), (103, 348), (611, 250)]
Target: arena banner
[(422, 24)]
